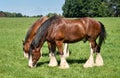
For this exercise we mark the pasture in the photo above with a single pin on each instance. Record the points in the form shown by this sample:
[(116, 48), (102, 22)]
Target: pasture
[(14, 65)]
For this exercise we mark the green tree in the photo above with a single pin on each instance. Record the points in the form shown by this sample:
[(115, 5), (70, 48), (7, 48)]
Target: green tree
[(114, 7), (51, 14), (73, 8), (92, 8), (19, 15), (96, 8)]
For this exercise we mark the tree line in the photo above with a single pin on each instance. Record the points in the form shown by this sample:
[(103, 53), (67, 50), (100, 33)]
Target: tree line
[(8, 14), (14, 14), (81, 8), (91, 8)]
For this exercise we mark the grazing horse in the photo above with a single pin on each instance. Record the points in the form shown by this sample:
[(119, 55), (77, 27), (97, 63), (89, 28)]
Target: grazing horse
[(57, 30), (31, 34)]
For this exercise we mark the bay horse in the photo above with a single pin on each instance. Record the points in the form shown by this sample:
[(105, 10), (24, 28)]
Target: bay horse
[(58, 30), (31, 34)]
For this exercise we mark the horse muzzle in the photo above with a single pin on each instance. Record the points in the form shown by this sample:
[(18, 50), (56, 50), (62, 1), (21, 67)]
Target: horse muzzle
[(25, 55)]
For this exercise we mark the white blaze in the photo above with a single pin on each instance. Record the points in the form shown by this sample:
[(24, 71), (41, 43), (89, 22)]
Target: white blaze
[(30, 63), (26, 55)]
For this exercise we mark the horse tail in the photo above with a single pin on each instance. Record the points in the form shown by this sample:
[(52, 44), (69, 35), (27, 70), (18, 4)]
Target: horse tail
[(103, 35)]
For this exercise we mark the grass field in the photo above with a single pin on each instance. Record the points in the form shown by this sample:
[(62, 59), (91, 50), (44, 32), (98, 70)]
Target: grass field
[(14, 65)]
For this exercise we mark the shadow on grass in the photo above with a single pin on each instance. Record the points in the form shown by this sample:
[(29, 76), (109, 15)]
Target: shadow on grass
[(42, 63), (45, 54), (70, 61), (79, 61)]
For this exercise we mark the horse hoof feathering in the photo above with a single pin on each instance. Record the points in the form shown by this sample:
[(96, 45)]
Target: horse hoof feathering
[(63, 63), (53, 61), (99, 60)]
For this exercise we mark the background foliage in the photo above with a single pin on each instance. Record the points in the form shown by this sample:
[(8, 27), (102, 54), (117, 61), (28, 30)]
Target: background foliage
[(91, 8)]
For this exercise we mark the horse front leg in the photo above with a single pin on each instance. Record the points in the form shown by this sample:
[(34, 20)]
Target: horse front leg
[(52, 49), (63, 62)]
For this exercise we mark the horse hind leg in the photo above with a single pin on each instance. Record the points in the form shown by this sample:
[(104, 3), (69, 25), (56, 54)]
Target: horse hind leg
[(90, 61), (99, 59)]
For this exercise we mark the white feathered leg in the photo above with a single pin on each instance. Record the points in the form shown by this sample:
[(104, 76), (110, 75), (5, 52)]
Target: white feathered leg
[(90, 61), (63, 63), (99, 60), (53, 61)]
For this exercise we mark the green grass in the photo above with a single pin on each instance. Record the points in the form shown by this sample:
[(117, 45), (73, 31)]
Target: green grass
[(14, 65)]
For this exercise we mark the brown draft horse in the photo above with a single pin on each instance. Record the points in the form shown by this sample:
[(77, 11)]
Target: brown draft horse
[(57, 30), (31, 34)]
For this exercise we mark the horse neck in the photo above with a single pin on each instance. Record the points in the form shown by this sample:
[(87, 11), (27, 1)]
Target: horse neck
[(36, 26), (41, 33), (42, 42)]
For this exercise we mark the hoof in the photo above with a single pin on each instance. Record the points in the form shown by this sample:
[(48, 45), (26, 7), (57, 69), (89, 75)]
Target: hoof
[(98, 64), (64, 67), (52, 65), (88, 65), (53, 62)]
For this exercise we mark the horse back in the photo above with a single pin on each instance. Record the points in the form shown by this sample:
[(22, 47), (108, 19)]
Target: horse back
[(69, 30)]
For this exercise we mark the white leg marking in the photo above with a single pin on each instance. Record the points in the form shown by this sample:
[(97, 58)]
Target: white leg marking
[(90, 61), (25, 55), (99, 60), (30, 63), (66, 51), (53, 61), (63, 63)]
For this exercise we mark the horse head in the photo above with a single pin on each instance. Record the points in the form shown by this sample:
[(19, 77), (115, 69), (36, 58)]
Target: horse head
[(34, 55), (31, 34)]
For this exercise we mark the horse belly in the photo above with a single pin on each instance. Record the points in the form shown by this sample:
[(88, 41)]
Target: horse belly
[(74, 37)]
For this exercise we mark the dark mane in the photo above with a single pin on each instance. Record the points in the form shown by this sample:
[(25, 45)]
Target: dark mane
[(42, 30), (30, 30)]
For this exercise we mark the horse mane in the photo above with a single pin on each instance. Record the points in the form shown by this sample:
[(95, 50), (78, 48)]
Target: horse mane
[(42, 31), (30, 29)]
